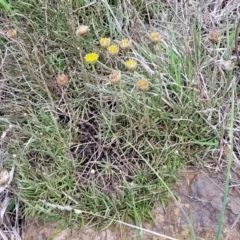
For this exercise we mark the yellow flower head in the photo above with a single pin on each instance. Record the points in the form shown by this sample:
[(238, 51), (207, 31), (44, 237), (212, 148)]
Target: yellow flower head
[(105, 42), (214, 37), (62, 79), (113, 50), (131, 64), (143, 85), (82, 30), (125, 44), (115, 77), (91, 57), (154, 37), (11, 33)]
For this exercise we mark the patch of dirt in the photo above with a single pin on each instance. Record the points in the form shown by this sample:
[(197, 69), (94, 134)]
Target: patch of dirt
[(200, 196), (100, 158)]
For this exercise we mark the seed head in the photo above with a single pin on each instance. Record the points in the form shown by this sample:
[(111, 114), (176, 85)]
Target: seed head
[(229, 65), (214, 37), (115, 77), (154, 37), (105, 42), (4, 177), (11, 33), (82, 30), (125, 44), (62, 79), (143, 85)]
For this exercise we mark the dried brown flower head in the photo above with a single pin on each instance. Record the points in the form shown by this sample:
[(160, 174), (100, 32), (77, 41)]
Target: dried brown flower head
[(125, 44), (115, 77), (105, 42), (4, 177), (11, 33), (214, 37), (229, 65), (82, 30), (62, 79)]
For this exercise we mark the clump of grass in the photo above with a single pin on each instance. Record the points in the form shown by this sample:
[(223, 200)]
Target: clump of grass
[(92, 143), (5, 6)]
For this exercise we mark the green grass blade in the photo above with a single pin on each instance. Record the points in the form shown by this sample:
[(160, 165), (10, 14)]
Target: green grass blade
[(230, 157), (168, 189), (5, 6)]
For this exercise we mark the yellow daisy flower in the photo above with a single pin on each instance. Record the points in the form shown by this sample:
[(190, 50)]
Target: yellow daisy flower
[(105, 42), (91, 58), (131, 64), (113, 50), (143, 85), (125, 44), (115, 77), (154, 37)]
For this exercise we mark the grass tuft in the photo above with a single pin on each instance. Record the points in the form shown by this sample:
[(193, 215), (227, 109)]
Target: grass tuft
[(111, 149)]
